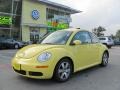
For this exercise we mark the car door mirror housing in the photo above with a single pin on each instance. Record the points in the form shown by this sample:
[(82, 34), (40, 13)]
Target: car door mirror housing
[(77, 42)]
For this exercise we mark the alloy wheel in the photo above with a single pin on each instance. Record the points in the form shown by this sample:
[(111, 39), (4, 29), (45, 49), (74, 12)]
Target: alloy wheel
[(63, 70), (16, 46), (105, 59)]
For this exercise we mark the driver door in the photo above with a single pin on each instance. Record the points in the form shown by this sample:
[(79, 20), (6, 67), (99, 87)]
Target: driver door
[(83, 51)]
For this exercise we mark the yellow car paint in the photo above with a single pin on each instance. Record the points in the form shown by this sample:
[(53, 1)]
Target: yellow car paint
[(83, 56)]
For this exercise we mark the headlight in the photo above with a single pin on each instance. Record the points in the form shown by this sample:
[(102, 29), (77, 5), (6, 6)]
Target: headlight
[(44, 57), (20, 55)]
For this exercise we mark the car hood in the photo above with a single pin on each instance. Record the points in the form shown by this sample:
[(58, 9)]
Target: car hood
[(33, 50)]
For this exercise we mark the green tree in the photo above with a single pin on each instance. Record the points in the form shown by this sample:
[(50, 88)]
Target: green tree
[(99, 31), (118, 34), (112, 36)]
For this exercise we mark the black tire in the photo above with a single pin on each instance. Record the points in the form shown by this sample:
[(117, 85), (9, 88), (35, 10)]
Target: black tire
[(105, 45), (105, 58), (16, 46), (63, 70), (109, 46)]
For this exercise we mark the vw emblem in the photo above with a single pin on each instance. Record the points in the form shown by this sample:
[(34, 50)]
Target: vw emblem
[(35, 14)]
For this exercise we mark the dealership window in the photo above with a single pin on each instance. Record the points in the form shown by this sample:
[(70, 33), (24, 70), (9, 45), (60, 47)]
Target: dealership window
[(10, 21), (4, 33), (57, 19), (34, 34), (5, 6)]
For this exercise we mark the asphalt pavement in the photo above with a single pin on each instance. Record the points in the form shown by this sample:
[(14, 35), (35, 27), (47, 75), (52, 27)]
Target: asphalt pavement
[(96, 78)]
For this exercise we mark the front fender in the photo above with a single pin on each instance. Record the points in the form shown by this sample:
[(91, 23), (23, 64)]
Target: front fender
[(102, 50), (59, 53)]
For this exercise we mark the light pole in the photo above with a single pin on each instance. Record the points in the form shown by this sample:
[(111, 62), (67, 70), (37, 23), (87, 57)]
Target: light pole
[(12, 14)]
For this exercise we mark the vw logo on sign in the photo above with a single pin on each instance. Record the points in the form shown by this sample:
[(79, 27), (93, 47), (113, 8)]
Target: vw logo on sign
[(35, 14)]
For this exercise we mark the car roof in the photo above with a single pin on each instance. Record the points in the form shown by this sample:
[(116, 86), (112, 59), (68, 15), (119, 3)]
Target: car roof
[(74, 30), (104, 37)]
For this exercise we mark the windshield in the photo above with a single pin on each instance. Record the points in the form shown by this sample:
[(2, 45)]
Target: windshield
[(58, 37)]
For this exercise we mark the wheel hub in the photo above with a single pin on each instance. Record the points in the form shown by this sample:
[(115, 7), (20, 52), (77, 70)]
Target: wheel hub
[(64, 70)]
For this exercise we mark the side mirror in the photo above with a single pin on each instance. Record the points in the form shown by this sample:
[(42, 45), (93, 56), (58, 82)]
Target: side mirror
[(76, 42)]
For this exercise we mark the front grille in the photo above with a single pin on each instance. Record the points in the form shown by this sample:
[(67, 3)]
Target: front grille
[(20, 71), (35, 74)]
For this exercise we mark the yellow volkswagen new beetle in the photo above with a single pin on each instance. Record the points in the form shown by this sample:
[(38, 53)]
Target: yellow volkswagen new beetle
[(60, 54)]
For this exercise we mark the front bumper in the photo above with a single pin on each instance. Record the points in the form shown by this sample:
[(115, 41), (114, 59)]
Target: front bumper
[(30, 70)]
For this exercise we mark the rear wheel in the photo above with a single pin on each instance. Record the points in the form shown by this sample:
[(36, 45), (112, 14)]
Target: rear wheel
[(109, 46), (63, 70), (105, 58), (16, 46)]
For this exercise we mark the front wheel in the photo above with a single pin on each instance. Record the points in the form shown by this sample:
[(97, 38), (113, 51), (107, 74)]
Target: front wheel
[(63, 70), (109, 46), (105, 58)]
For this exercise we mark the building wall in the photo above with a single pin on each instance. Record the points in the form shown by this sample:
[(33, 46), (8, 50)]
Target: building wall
[(43, 31), (27, 7), (25, 33)]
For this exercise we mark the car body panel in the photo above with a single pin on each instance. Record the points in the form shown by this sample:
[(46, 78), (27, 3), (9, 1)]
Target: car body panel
[(116, 42), (10, 43), (106, 40)]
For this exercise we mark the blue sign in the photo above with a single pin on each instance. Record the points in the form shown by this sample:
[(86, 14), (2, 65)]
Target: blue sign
[(35, 14)]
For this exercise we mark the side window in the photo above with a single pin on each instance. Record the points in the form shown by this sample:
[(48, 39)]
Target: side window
[(94, 38), (102, 38), (83, 36)]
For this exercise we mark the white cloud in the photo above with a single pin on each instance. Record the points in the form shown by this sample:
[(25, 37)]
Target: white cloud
[(95, 12)]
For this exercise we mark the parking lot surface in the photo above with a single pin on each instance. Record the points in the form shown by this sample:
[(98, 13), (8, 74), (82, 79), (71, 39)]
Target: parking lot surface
[(96, 78)]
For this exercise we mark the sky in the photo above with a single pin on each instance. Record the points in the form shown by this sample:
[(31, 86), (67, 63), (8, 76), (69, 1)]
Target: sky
[(95, 13)]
